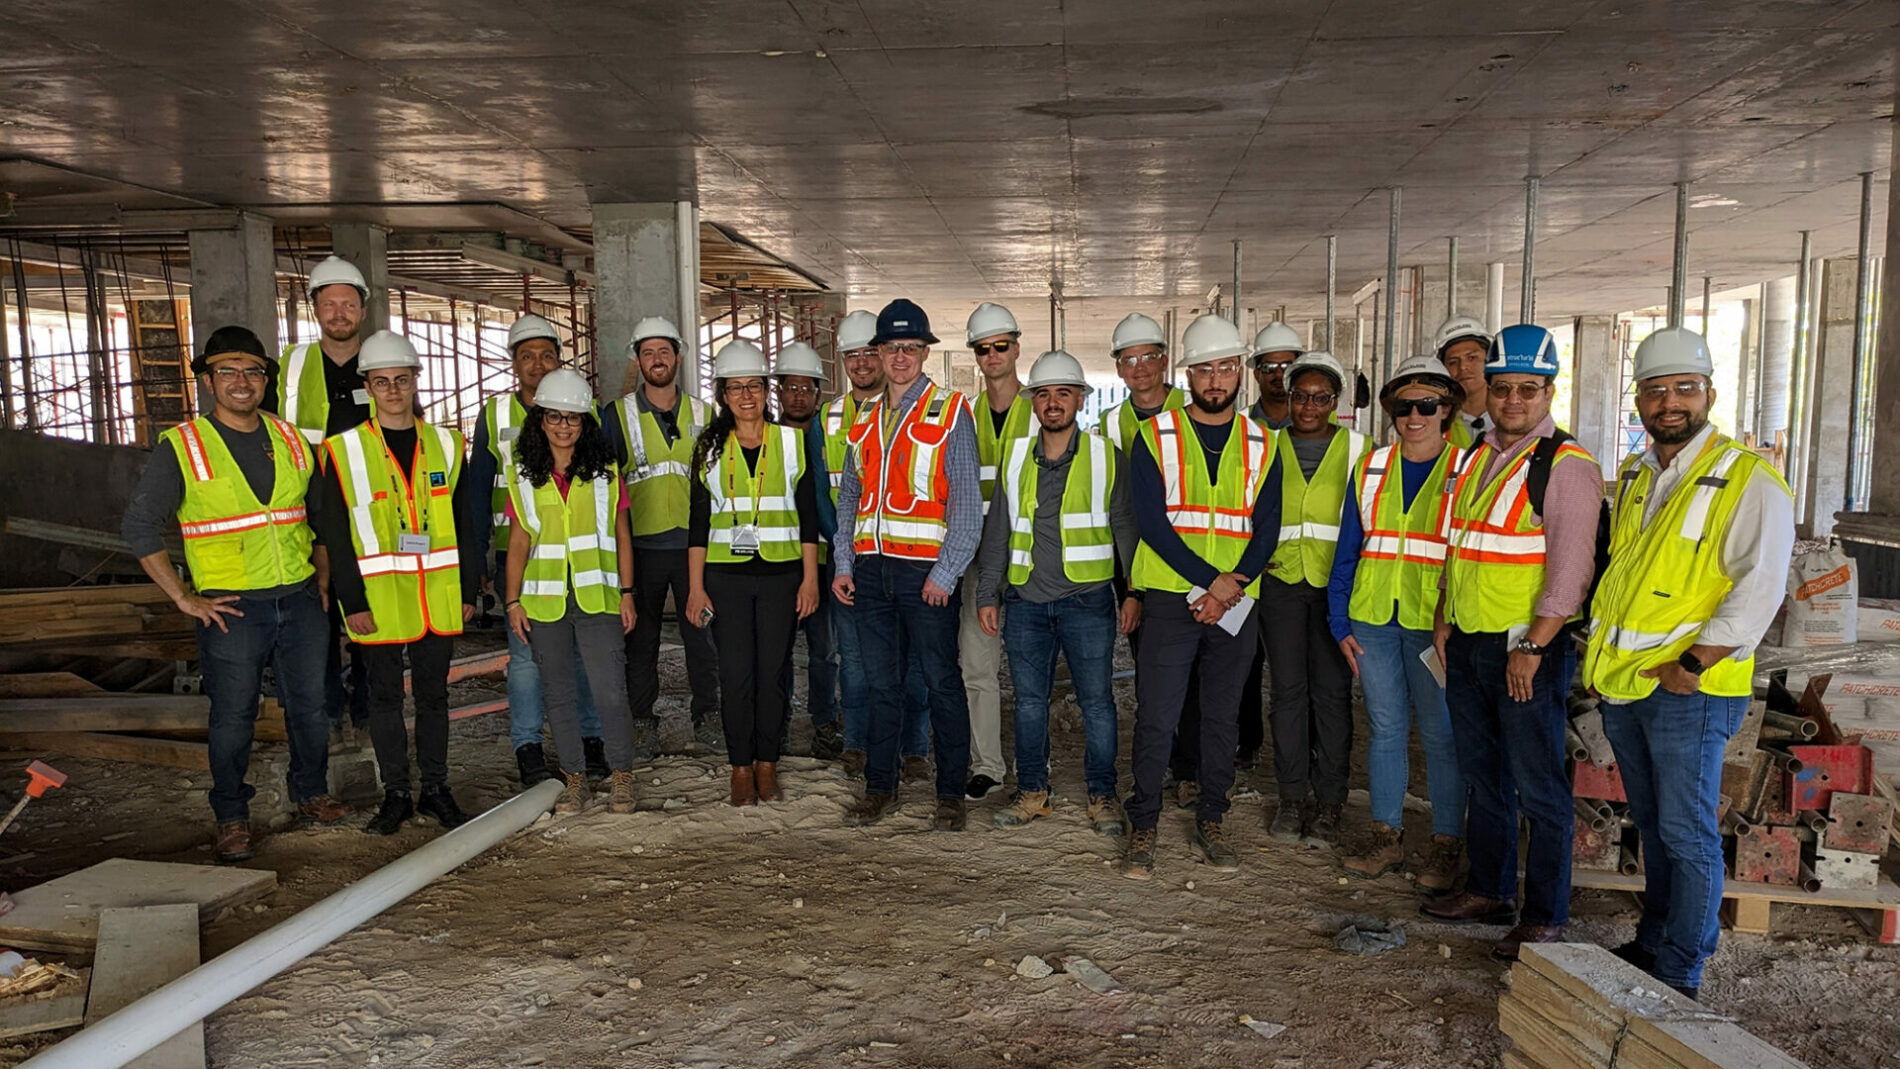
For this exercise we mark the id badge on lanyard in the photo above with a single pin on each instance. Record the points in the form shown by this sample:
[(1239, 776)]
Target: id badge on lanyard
[(745, 536)]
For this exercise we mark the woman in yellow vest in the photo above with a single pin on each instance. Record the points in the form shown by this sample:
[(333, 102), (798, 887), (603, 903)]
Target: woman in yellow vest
[(1380, 603), (568, 548), (752, 563)]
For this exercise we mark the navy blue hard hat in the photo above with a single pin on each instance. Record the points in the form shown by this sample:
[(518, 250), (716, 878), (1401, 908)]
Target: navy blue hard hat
[(903, 319)]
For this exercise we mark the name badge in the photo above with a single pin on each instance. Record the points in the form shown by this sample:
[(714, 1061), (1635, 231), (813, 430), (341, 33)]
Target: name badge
[(745, 540), (508, 433), (412, 543), (360, 396)]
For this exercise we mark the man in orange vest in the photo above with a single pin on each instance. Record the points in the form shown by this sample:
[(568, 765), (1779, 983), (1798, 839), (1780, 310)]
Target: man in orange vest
[(899, 553)]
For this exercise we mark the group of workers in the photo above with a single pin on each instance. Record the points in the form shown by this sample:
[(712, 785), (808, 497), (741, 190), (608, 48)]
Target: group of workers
[(918, 539)]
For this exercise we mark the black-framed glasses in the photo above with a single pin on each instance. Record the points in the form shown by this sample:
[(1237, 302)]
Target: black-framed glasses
[(1687, 389), (1525, 391), (985, 348), (1312, 400), (561, 419), (751, 386), (1423, 406)]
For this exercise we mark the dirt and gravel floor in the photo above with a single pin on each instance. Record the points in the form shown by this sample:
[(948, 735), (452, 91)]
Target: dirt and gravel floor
[(693, 934)]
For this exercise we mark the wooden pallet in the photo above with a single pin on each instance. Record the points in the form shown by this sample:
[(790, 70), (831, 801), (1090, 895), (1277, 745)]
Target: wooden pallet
[(1749, 904)]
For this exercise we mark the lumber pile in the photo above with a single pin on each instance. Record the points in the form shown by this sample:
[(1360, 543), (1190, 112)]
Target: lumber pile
[(80, 615), (1577, 1006)]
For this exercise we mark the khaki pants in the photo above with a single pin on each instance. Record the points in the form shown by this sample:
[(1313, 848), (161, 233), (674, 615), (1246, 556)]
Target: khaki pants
[(982, 659)]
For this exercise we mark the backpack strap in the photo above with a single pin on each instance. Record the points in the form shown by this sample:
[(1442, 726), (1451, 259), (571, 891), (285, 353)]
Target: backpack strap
[(1543, 455)]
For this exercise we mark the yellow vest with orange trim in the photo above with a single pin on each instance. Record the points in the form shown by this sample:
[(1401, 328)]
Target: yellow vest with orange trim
[(233, 541), (1494, 568), (904, 491), (1403, 552), (411, 592), (1215, 519)]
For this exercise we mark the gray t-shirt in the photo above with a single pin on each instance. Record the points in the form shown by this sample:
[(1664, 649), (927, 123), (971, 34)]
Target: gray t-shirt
[(1310, 452), (1047, 580)]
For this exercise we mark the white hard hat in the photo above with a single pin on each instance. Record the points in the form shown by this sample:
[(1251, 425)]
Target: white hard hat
[(655, 327), (1210, 338), (1321, 360), (800, 359), (1057, 368), (386, 349), (532, 326), (1673, 351), (989, 320), (1277, 337), (1136, 329), (564, 390), (738, 360), (856, 330), (334, 270), (1458, 328), (1423, 371)]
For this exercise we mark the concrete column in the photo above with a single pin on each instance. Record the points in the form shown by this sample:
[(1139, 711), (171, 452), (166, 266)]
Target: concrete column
[(1885, 487), (1777, 357), (1826, 490), (1748, 372), (646, 263), (367, 247), (1473, 280), (234, 279), (1597, 390)]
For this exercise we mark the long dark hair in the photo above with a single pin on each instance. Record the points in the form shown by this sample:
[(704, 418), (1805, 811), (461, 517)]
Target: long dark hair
[(535, 458), (713, 438)]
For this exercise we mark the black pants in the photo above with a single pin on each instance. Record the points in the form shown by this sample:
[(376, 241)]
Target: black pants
[(1175, 648), (656, 571), (1185, 762), (336, 696), (755, 618), (428, 659), (1312, 694)]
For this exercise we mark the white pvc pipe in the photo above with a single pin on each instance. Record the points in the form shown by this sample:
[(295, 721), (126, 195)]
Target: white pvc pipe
[(165, 1012)]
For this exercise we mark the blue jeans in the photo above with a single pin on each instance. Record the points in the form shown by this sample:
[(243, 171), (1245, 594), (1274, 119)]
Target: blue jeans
[(821, 659), (896, 629), (854, 693), (1669, 749), (1399, 687), (526, 712), (1512, 756), (1082, 628), (287, 633)]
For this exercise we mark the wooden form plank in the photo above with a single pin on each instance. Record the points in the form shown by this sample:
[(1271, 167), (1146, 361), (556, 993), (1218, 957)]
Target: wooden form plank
[(140, 950), (47, 685), (133, 749), (1885, 896), (62, 1007), (63, 914), (111, 712)]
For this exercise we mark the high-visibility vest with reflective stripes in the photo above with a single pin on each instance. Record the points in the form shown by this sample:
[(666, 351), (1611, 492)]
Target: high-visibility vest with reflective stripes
[(836, 418), (1309, 511), (571, 541), (410, 594), (1494, 567), (503, 414), (765, 498), (233, 541), (1665, 580), (1461, 434), (1403, 553), (904, 490), (1088, 543), (1214, 519), (658, 475), (993, 449), (1120, 424), (303, 397)]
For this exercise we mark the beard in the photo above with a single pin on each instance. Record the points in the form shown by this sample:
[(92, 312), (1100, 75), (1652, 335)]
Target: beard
[(1057, 428), (1214, 408), (660, 377), (1691, 427)]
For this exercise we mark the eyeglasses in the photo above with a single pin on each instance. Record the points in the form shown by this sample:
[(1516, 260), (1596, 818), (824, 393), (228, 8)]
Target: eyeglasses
[(1272, 367), (799, 389), (228, 375), (1526, 391), (1312, 400), (388, 384), (561, 419), (1425, 407), (985, 348), (1222, 368), (752, 387), (1137, 359), (904, 348), (1685, 389)]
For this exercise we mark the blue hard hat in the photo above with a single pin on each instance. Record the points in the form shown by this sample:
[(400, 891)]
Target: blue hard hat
[(1525, 349), (903, 319)]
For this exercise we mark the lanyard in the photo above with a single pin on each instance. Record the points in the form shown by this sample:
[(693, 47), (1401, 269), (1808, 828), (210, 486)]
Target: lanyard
[(735, 457), (415, 520)]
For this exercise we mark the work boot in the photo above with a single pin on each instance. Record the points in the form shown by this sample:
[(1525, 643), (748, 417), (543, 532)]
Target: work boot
[(620, 796), (917, 769), (1468, 908), (1287, 823), (979, 787), (1212, 842), (323, 809), (951, 814), (1106, 815), (1023, 807), (1507, 947), (827, 741), (1322, 832), (234, 842), (1382, 851), (869, 810), (745, 788), (765, 778), (595, 752), (1187, 793), (1138, 861), (437, 802), (1440, 873), (531, 762), (1246, 760), (1693, 994), (851, 763), (388, 820), (1638, 955), (574, 798)]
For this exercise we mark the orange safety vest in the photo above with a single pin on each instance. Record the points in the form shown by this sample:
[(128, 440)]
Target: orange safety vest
[(904, 492)]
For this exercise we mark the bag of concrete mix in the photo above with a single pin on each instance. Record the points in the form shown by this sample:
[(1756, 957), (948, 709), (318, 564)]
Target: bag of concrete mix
[(1879, 620), (1823, 599)]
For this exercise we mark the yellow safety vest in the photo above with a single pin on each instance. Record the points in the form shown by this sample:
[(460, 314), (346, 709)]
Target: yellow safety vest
[(658, 475), (1494, 567), (572, 541), (233, 541), (1460, 434), (1403, 553), (1214, 519), (1665, 580), (838, 415), (302, 396), (504, 414), (765, 500), (1120, 424), (1088, 542), (411, 591), (993, 450), (1309, 512)]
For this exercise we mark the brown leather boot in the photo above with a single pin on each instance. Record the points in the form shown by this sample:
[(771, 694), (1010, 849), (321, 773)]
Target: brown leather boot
[(745, 790), (234, 842), (765, 777)]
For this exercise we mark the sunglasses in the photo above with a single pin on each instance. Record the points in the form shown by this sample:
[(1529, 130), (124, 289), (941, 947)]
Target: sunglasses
[(1525, 391), (985, 348), (1424, 407)]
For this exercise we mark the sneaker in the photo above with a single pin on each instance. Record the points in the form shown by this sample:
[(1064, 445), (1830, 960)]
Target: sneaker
[(1212, 842), (531, 763), (1106, 815), (396, 809), (620, 796), (709, 735), (1024, 806), (1286, 824), (979, 787), (1138, 861), (827, 741), (869, 810), (574, 798), (595, 752), (234, 842), (917, 769), (851, 763), (1187, 793), (1382, 851), (1440, 873), (1322, 833), (952, 814), (437, 802), (323, 809)]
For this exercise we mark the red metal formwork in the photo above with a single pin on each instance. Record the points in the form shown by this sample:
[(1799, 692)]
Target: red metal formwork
[(1604, 784), (1765, 854), (1858, 822), (1825, 770)]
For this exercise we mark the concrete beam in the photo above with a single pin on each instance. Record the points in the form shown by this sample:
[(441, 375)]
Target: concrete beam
[(367, 246), (234, 280), (647, 260), (527, 265)]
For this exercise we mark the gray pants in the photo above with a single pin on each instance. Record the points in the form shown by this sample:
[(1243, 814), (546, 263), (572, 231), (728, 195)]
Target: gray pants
[(603, 653)]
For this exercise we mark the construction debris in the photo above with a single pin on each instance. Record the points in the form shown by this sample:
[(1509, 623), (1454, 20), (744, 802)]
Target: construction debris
[(63, 914)]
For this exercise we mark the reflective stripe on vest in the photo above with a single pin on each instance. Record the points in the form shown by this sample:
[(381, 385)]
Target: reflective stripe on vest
[(409, 593), (503, 413), (904, 496), (994, 449), (1309, 511), (1403, 553), (232, 540), (1214, 520), (1088, 542), (1120, 424), (1494, 569), (570, 537), (838, 417), (769, 501), (658, 474), (303, 397)]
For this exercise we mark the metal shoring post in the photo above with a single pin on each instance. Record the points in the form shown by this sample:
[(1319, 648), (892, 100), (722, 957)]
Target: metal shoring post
[(1679, 269), (1527, 297), (1332, 286), (29, 397), (1798, 376), (1451, 277), (1391, 283), (1863, 301)]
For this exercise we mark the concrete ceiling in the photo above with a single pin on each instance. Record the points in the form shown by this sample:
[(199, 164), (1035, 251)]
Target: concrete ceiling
[(957, 150)]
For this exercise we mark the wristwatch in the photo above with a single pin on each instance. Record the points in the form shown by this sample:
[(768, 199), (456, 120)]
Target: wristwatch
[(1525, 645), (1691, 663)]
